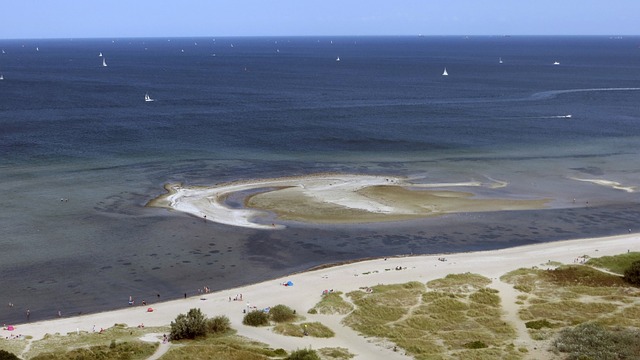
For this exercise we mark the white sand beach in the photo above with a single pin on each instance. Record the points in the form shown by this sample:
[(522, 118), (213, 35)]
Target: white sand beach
[(308, 287)]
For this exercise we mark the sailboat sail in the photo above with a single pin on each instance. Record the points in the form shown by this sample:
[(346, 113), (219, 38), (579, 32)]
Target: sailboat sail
[(445, 73), (104, 62)]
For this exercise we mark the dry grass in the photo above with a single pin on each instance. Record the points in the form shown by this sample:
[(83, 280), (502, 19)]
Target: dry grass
[(441, 320), (575, 294), (58, 343)]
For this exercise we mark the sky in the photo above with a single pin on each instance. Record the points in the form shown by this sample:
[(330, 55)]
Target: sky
[(37, 19)]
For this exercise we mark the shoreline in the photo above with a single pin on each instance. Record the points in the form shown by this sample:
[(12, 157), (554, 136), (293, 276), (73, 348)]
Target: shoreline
[(309, 284)]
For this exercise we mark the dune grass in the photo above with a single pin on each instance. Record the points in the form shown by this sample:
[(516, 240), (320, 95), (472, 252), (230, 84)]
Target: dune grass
[(332, 303), (60, 344), (617, 263), (222, 347), (336, 353), (456, 316), (574, 294), (313, 329)]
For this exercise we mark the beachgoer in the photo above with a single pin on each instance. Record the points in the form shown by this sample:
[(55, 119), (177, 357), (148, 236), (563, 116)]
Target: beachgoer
[(185, 295), (28, 314)]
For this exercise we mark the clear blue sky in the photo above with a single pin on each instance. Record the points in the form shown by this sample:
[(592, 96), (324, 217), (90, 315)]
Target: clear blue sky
[(152, 18)]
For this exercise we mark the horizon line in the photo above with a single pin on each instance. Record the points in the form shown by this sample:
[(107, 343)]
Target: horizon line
[(319, 36)]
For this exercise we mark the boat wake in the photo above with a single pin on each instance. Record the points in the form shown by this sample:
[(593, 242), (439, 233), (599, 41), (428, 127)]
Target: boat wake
[(553, 93)]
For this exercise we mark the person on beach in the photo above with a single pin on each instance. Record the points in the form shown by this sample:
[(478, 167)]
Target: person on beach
[(28, 314)]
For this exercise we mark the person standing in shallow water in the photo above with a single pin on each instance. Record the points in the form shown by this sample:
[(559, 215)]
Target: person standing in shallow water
[(28, 314)]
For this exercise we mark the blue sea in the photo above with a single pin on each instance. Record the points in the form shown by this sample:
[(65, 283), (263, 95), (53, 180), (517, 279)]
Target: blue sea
[(81, 152)]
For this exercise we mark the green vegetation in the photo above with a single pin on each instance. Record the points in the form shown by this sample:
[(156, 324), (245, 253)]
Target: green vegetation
[(5, 355), (571, 295), (189, 326), (538, 324), (120, 351), (282, 313), (59, 345), (223, 347), (303, 354), (456, 316), (313, 329), (617, 263), (256, 318), (632, 274), (335, 353), (218, 325), (594, 341), (332, 303)]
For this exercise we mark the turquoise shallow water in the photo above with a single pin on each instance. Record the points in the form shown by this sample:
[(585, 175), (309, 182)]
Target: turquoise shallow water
[(72, 129)]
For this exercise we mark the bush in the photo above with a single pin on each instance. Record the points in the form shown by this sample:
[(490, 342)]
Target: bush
[(304, 354), (282, 313), (256, 318), (189, 326), (475, 345), (538, 324), (5, 355), (593, 341), (218, 325), (632, 274)]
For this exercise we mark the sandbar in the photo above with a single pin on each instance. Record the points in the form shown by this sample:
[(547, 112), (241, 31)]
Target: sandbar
[(336, 198)]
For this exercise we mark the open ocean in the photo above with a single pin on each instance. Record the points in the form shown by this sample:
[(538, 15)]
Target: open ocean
[(229, 109)]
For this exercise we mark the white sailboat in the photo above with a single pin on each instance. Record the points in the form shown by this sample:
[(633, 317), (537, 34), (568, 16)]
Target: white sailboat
[(104, 62), (556, 63), (338, 58), (445, 73), (100, 55), (500, 60), (147, 98), (1, 77)]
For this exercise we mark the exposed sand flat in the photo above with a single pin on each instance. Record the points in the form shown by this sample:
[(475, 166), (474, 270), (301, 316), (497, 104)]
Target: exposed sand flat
[(308, 287), (608, 183), (333, 198)]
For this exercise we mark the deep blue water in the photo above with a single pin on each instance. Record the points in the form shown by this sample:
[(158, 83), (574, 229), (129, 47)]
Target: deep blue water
[(238, 108)]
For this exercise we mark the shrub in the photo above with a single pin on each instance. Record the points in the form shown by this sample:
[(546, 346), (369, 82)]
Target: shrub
[(5, 355), (538, 324), (475, 345), (632, 274), (189, 326), (218, 325), (256, 318), (593, 341), (281, 313), (304, 354)]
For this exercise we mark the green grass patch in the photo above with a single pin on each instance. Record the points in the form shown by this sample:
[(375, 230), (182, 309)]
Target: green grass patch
[(538, 324), (332, 303), (313, 329), (336, 353), (617, 263)]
